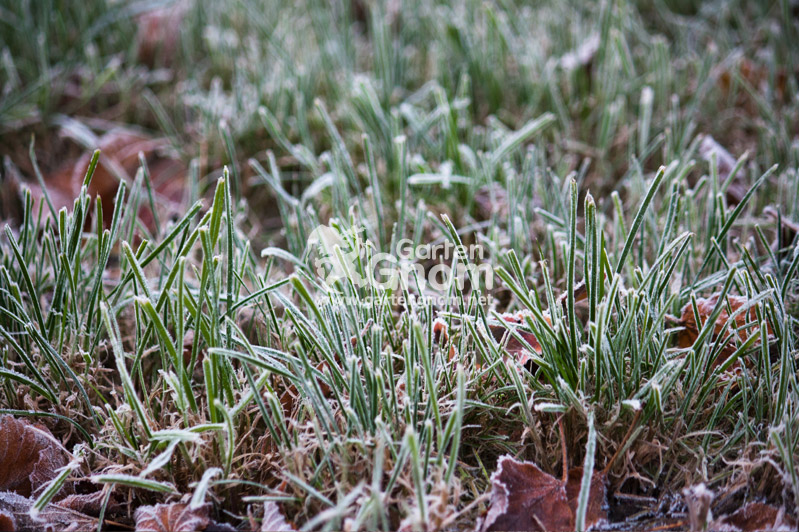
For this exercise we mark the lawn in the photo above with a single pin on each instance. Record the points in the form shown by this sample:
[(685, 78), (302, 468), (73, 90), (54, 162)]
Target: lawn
[(383, 265)]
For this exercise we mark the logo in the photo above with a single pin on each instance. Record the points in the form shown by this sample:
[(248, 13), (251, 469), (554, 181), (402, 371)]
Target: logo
[(424, 271), (338, 255)]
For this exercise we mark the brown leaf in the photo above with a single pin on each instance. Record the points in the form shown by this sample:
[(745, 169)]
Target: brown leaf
[(15, 515), (86, 503), (513, 345), (7, 522), (158, 35), (29, 456), (596, 495), (175, 517), (273, 520), (440, 334), (725, 163), (580, 294), (688, 335), (119, 161), (787, 233), (755, 516), (525, 498)]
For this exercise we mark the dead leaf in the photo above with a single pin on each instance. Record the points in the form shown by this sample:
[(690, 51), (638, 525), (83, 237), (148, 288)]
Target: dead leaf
[(580, 294), (157, 37), (525, 498), (273, 520), (15, 516), (7, 522), (757, 76), (119, 161), (688, 335), (725, 163), (491, 200), (440, 334), (513, 345), (87, 503), (253, 325), (175, 517), (596, 495), (29, 456), (755, 516), (787, 234)]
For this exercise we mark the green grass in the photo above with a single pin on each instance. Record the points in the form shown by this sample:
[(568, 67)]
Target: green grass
[(460, 122)]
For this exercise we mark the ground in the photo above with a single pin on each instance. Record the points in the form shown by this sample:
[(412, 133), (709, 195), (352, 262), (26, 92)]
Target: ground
[(203, 311)]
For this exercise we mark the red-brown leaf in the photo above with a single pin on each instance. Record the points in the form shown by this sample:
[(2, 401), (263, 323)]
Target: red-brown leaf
[(525, 498), (273, 520), (513, 345), (596, 495), (176, 517), (755, 516), (7, 522), (725, 164), (29, 456), (688, 320), (15, 515)]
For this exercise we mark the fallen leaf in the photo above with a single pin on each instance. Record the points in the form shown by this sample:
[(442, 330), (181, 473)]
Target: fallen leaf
[(688, 320), (7, 522), (175, 517), (580, 294), (755, 516), (596, 495), (119, 161), (787, 234), (15, 516), (157, 36), (253, 325), (725, 163), (273, 520), (440, 334), (757, 76), (86, 503), (513, 345), (29, 456), (491, 200), (525, 498)]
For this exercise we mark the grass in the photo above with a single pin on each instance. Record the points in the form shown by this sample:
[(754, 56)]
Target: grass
[(188, 361)]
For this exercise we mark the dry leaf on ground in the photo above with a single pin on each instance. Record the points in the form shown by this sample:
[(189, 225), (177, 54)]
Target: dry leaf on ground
[(119, 160), (688, 320), (87, 503), (787, 230), (753, 517), (15, 516), (513, 345), (525, 498), (177, 517), (273, 520), (29, 456), (596, 495), (158, 35), (725, 163)]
